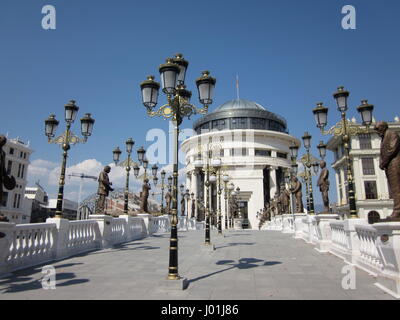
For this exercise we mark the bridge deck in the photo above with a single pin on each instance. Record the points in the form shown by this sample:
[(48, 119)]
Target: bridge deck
[(245, 265)]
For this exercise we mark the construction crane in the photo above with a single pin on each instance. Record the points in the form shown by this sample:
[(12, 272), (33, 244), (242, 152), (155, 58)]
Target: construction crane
[(82, 176)]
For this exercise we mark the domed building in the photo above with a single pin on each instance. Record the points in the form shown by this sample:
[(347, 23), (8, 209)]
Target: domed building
[(253, 146)]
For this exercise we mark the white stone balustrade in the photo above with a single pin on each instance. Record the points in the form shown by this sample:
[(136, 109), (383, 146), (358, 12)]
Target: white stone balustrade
[(160, 224), (322, 231), (309, 233), (299, 226), (388, 245), (345, 242), (287, 223), (369, 259), (27, 245)]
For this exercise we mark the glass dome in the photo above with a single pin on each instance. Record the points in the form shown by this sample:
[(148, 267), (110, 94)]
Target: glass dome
[(240, 114)]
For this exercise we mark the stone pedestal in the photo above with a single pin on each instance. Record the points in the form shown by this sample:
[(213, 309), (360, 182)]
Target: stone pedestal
[(208, 247), (287, 223), (6, 230), (147, 221), (104, 222), (323, 230), (298, 225), (308, 234), (179, 284), (388, 244), (62, 225)]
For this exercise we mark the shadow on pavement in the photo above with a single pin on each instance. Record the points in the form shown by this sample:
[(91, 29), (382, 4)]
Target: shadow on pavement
[(232, 244), (242, 264)]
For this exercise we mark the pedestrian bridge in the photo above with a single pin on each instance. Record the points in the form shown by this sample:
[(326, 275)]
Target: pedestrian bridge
[(127, 258)]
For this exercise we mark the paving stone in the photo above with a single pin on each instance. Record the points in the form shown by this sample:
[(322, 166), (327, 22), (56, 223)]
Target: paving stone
[(245, 265)]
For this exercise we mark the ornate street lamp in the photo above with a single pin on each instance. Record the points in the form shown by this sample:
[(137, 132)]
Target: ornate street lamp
[(225, 179), (345, 130), (231, 192), (162, 173), (65, 140), (192, 199), (308, 162), (127, 164), (322, 150), (178, 106)]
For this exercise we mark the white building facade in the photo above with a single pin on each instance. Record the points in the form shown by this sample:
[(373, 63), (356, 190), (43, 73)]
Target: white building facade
[(370, 183), (253, 145), (17, 162)]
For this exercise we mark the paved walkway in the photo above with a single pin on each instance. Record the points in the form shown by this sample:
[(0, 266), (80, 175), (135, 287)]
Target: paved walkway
[(245, 265)]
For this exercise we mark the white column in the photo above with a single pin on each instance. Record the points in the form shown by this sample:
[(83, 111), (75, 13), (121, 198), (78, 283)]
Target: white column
[(194, 190), (272, 182)]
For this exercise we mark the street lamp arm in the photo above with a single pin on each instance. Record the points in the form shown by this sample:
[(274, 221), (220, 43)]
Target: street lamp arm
[(345, 127), (68, 138)]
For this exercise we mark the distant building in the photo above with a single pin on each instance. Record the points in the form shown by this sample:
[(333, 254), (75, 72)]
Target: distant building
[(370, 183), (70, 208), (253, 145), (17, 162), (36, 201)]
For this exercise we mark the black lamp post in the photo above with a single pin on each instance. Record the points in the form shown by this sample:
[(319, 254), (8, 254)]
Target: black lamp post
[(345, 130), (116, 155), (178, 106), (65, 140)]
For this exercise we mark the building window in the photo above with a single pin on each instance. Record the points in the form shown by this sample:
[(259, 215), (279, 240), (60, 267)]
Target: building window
[(368, 166), (18, 201), (19, 170), (262, 153), (373, 217), (221, 153), (281, 155), (244, 152), (15, 200), (21, 154), (239, 123), (22, 171), (4, 200), (257, 123), (9, 167), (219, 124), (365, 141), (370, 190)]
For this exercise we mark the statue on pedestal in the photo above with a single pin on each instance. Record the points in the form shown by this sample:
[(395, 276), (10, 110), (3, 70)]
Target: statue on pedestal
[(144, 196), (323, 184), (298, 194), (285, 200), (390, 162), (193, 208), (6, 180), (183, 206), (103, 190), (168, 198)]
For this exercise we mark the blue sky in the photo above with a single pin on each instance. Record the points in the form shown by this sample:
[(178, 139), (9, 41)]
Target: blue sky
[(288, 55)]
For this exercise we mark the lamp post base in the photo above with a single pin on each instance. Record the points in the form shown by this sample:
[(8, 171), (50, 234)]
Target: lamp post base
[(176, 283), (208, 247)]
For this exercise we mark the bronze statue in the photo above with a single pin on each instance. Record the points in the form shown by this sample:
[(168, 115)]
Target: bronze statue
[(390, 162), (144, 196), (183, 206), (168, 198), (6, 180), (323, 184), (103, 190), (285, 200), (298, 194), (193, 208)]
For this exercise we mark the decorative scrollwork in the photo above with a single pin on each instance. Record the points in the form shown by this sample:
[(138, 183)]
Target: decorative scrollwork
[(68, 138)]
